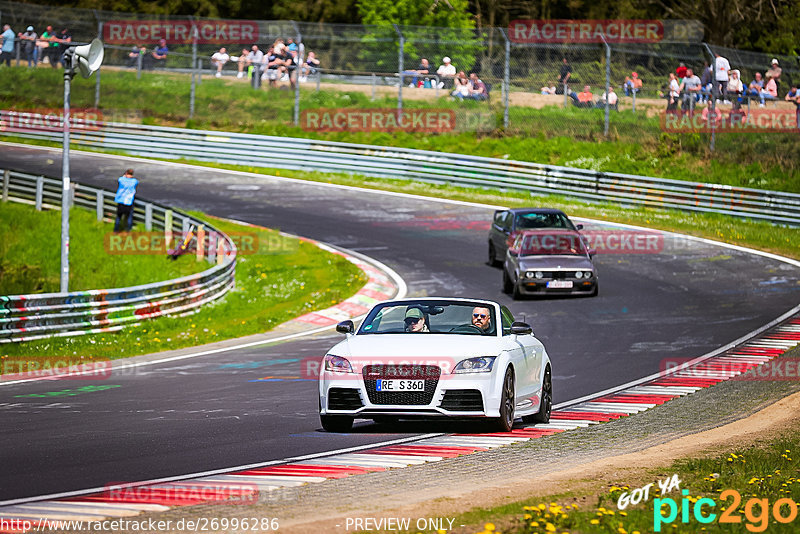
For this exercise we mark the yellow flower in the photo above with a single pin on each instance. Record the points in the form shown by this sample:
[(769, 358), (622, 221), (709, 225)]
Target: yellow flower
[(550, 527), (595, 522), (489, 527)]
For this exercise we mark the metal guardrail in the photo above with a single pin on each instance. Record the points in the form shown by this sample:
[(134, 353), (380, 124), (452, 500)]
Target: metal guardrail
[(402, 163), (36, 316)]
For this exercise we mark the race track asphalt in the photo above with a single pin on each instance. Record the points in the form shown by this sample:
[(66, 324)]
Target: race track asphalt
[(221, 411)]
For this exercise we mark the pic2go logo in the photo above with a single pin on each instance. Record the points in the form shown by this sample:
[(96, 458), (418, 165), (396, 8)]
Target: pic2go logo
[(756, 511)]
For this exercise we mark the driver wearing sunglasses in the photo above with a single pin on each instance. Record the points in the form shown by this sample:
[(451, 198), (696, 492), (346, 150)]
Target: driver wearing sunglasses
[(481, 318), (415, 321)]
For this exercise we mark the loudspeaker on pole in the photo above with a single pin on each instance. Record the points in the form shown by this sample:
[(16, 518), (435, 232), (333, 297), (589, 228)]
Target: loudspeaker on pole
[(87, 58)]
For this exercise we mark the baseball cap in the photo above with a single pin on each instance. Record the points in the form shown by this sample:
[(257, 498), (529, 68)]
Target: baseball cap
[(774, 61), (446, 59), (30, 29), (415, 313)]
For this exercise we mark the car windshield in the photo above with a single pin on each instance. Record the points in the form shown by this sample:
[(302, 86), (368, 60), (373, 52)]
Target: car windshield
[(564, 244), (525, 221), (426, 317)]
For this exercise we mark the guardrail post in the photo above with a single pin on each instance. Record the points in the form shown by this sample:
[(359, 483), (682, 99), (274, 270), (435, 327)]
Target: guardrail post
[(100, 205), (39, 188), (168, 227), (6, 180), (201, 242), (212, 247), (185, 225), (148, 216)]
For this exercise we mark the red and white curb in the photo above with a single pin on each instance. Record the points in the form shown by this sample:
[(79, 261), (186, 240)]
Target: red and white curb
[(244, 486)]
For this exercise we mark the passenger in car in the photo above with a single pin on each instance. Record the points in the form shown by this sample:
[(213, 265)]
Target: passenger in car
[(415, 321)]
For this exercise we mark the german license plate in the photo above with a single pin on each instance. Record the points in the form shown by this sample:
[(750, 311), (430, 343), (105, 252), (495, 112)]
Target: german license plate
[(559, 284), (400, 385)]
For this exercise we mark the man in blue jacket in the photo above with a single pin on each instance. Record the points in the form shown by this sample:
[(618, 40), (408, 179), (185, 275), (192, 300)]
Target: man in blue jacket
[(124, 199)]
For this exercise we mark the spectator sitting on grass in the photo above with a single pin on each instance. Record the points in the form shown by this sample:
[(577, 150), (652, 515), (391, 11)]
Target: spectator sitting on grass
[(770, 91), (423, 68), (219, 59), (463, 87), (756, 86), (479, 90), (291, 45), (549, 90), (310, 66), (633, 84), (446, 72), (242, 62), (612, 99), (735, 88)]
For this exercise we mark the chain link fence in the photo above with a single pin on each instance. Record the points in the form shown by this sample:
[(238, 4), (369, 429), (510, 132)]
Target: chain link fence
[(526, 93)]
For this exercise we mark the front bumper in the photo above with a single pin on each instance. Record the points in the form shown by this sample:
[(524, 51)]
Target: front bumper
[(449, 395), (539, 287)]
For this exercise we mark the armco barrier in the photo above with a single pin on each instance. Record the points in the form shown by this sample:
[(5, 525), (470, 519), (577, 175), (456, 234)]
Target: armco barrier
[(440, 167), (29, 317)]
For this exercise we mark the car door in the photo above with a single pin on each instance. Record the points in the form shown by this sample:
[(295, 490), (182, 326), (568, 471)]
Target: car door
[(501, 230), (530, 351)]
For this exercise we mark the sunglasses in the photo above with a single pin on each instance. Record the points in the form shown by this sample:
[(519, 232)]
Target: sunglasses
[(481, 315), (412, 320)]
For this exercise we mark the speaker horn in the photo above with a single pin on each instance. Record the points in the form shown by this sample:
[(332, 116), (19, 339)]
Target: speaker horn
[(88, 57)]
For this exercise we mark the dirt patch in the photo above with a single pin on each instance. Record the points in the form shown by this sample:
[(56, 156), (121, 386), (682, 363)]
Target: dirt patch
[(588, 477)]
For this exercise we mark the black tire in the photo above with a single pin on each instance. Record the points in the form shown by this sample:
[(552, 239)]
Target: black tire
[(507, 285), (505, 422), (515, 292), (336, 423), (492, 255), (546, 406), (596, 290)]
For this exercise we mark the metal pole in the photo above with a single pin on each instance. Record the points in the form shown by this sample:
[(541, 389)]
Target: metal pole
[(65, 186), (97, 81), (608, 84), (506, 79), (633, 106), (714, 96), (400, 68), (199, 71), (298, 69), (139, 64), (194, 68), (372, 80), (191, 96)]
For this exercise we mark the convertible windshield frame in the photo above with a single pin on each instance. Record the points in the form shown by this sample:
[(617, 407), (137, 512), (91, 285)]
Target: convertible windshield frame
[(432, 309)]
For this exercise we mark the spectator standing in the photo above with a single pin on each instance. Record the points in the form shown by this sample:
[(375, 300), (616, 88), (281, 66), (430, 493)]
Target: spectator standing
[(690, 89), (775, 72), (706, 82), (254, 57), (158, 57), (721, 69), (134, 55), (680, 72), (28, 44), (446, 72), (479, 90), (218, 59), (63, 40), (126, 192), (7, 48), (48, 45), (564, 73), (674, 92)]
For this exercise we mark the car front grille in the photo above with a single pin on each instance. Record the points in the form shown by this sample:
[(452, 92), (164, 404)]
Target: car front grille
[(344, 399), (462, 400), (429, 373)]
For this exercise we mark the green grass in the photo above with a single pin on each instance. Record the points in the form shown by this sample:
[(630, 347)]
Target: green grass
[(273, 285), (30, 254), (571, 137)]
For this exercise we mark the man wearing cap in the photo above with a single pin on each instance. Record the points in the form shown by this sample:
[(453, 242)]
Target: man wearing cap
[(415, 321), (7, 48), (28, 42), (446, 72), (774, 72)]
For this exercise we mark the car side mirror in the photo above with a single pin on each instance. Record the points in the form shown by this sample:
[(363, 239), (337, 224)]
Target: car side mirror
[(579, 226), (521, 329), (346, 327)]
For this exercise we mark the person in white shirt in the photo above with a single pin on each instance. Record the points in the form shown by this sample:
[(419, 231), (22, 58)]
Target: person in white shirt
[(721, 70), (612, 99), (219, 59), (446, 72), (674, 92)]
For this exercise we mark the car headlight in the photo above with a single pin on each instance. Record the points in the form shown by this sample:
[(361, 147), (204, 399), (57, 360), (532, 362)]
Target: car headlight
[(482, 364), (578, 274), (529, 274), (337, 364), (587, 274), (539, 274)]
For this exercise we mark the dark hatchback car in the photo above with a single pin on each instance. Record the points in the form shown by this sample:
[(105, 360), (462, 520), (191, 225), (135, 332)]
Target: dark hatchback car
[(549, 262), (508, 223)]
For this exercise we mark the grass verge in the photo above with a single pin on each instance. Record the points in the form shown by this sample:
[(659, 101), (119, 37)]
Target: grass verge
[(571, 137), (30, 254), (271, 288)]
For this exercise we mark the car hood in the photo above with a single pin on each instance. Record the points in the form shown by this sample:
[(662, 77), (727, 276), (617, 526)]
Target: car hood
[(554, 262), (444, 350)]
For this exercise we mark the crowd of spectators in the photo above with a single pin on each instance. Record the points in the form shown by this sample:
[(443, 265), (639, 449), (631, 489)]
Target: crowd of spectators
[(35, 48)]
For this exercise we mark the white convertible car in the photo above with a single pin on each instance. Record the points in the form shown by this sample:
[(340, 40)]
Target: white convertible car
[(431, 357)]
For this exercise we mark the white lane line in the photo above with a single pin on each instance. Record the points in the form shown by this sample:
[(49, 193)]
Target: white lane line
[(380, 459), (141, 506), (25, 514), (662, 390), (357, 463), (55, 506), (556, 420)]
